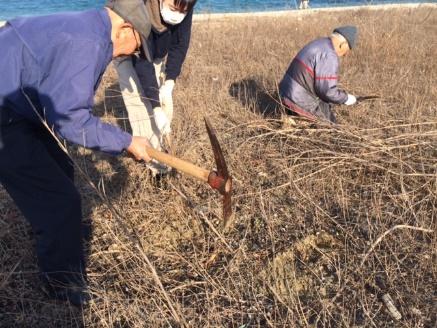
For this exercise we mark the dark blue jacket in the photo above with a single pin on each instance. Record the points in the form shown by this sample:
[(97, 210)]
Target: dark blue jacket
[(58, 61), (174, 42), (312, 76)]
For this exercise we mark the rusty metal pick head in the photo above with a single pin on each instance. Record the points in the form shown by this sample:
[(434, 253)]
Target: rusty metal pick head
[(220, 179)]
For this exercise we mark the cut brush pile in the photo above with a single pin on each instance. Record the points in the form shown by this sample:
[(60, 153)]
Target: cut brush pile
[(328, 221)]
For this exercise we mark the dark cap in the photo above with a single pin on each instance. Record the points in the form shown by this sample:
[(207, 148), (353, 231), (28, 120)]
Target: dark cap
[(349, 33), (135, 12)]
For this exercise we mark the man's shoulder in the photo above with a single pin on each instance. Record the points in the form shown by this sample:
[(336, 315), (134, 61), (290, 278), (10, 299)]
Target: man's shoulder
[(69, 40), (51, 29), (320, 44), (61, 18), (312, 49), (320, 49)]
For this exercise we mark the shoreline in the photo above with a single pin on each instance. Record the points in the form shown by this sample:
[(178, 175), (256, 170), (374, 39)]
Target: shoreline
[(304, 12), (311, 11)]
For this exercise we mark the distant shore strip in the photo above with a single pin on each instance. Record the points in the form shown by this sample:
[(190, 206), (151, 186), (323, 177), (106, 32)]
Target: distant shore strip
[(310, 11)]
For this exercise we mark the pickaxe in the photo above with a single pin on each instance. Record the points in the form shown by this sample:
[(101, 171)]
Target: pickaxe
[(219, 179)]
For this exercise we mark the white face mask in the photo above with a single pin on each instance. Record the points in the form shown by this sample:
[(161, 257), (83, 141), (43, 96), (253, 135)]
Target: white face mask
[(171, 17)]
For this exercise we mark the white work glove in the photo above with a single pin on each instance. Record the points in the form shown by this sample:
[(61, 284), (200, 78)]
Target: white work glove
[(161, 120), (351, 100), (166, 98)]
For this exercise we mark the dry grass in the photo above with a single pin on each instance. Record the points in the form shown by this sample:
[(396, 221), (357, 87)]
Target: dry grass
[(310, 201)]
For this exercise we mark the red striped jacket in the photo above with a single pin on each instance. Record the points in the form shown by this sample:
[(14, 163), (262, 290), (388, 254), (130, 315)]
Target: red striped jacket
[(312, 77)]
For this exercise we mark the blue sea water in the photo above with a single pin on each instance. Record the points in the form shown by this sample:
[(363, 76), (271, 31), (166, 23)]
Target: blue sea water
[(12, 8)]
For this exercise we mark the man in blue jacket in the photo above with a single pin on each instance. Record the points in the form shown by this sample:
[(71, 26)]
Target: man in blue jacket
[(309, 86), (51, 67)]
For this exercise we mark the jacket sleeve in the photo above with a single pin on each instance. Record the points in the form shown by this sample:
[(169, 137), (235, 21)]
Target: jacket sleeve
[(180, 43), (326, 78), (67, 97)]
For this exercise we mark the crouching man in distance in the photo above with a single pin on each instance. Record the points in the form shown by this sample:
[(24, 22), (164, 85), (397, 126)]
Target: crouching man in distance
[(309, 87)]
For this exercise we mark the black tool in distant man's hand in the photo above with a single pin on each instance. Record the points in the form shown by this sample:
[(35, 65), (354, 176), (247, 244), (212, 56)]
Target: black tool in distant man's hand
[(364, 98)]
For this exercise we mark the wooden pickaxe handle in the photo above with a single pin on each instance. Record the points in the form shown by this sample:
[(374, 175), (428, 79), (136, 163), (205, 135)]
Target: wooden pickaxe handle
[(179, 164)]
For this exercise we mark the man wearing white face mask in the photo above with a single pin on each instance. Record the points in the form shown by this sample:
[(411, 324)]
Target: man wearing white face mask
[(147, 79)]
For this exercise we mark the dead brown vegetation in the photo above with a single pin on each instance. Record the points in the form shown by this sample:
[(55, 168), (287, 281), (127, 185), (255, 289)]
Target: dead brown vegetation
[(310, 201)]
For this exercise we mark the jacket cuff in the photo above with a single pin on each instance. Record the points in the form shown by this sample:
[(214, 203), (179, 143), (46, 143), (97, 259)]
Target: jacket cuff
[(126, 140)]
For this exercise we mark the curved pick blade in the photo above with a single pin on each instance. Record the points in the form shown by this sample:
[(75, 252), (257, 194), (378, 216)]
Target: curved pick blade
[(222, 169), (222, 172), (227, 208)]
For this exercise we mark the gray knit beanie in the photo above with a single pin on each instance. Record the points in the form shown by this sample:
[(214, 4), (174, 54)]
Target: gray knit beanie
[(349, 32)]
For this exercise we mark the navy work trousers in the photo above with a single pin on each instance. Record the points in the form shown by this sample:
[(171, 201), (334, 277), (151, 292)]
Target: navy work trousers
[(323, 111), (38, 176)]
